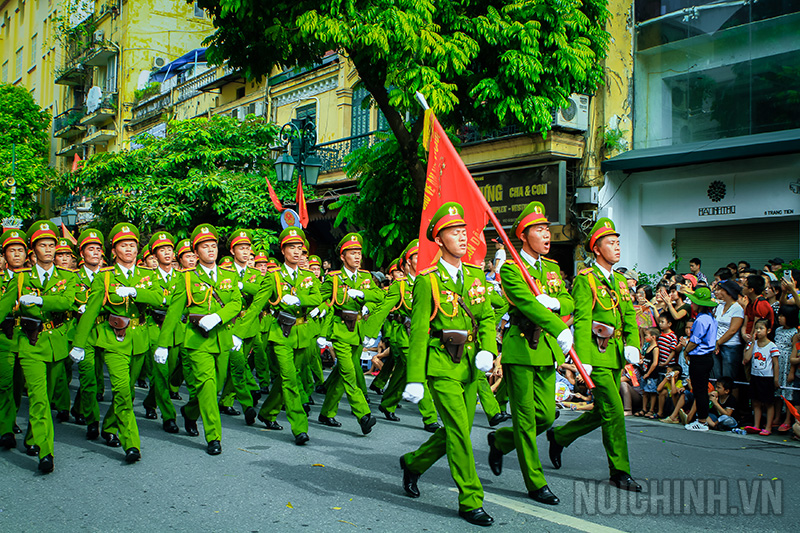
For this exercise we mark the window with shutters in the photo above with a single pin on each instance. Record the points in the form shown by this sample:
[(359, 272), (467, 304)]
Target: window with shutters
[(18, 66), (34, 49), (360, 115), (5, 71)]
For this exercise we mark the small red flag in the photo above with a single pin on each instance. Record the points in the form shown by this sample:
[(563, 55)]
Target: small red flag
[(67, 235), (274, 197), (302, 210), (449, 181), (76, 163)]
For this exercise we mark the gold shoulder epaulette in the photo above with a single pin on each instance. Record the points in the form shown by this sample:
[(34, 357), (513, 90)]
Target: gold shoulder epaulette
[(334, 273), (106, 269), (428, 270), (550, 260), (273, 269), (228, 268), (67, 269), (365, 271), (585, 271), (470, 266), (28, 269)]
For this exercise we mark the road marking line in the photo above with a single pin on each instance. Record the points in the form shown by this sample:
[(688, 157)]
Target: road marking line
[(550, 516)]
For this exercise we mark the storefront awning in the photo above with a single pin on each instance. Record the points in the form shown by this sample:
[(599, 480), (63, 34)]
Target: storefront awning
[(759, 145)]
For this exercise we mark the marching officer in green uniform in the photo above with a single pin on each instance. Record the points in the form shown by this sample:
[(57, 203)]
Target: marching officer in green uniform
[(165, 279), (60, 396), (209, 296), (15, 251), (348, 290), (394, 274), (42, 293), (295, 292), (452, 339), (606, 336), (90, 247), (118, 299), (532, 349), (397, 309)]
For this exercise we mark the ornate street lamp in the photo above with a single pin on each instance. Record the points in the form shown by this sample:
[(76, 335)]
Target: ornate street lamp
[(302, 136)]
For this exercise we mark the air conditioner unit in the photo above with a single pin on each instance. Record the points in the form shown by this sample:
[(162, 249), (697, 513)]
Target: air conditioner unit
[(91, 130), (242, 113), (98, 36), (159, 62), (575, 116), (260, 109)]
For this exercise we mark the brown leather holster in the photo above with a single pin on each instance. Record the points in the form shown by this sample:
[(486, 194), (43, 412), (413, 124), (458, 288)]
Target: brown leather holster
[(286, 322), (158, 316), (530, 331), (453, 341), (194, 319), (349, 318), (120, 326), (601, 333), (7, 327), (31, 327)]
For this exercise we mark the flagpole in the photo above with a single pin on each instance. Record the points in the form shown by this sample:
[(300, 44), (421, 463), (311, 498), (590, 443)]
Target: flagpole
[(528, 279)]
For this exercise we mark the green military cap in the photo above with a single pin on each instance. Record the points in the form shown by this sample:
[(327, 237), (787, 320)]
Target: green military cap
[(450, 215), (13, 236), (43, 229), (272, 262), (292, 235), (202, 233), (351, 241), (183, 246), (124, 231), (314, 260), (394, 265), (240, 236), (227, 261), (90, 236), (411, 249), (305, 245), (159, 239), (261, 257), (64, 245), (532, 215), (602, 228)]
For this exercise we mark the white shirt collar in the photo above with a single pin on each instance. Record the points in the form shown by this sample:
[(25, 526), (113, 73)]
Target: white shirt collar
[(239, 269), (349, 274), (127, 271), (42, 271), (412, 277), (535, 263), (90, 273), (292, 271), (606, 273), (163, 273), (452, 270), (10, 273), (208, 271)]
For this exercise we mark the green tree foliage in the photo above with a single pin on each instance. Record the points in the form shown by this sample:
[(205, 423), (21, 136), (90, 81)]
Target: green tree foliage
[(387, 209), (25, 131), (484, 62), (203, 170)]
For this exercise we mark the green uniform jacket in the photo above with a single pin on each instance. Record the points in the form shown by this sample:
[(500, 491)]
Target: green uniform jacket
[(256, 292), (427, 356), (499, 303), (597, 300), (305, 286), (398, 301), (334, 290), (103, 301), (6, 344), (524, 304), (58, 296), (82, 291), (193, 294), (167, 289)]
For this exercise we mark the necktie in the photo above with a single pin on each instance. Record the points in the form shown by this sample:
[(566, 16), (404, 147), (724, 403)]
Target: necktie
[(241, 274), (213, 275), (44, 279), (460, 282)]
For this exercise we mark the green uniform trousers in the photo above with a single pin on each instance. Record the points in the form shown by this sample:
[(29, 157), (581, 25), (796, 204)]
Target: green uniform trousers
[(489, 403), (262, 355), (99, 366), (286, 390), (397, 384), (239, 381), (455, 401), (608, 413), (387, 370), (344, 380), (176, 377), (205, 373), (62, 375), (134, 367), (86, 397), (8, 409), (40, 379), (120, 418), (532, 395), (158, 395)]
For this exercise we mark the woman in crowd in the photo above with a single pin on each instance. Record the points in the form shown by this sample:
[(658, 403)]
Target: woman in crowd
[(700, 349), (730, 316)]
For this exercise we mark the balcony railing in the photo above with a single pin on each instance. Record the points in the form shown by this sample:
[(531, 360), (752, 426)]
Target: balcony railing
[(150, 108), (68, 123), (469, 134), (190, 88), (333, 153)]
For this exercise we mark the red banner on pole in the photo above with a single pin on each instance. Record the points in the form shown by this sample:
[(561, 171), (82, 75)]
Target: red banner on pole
[(67, 235), (274, 197), (76, 163), (302, 210)]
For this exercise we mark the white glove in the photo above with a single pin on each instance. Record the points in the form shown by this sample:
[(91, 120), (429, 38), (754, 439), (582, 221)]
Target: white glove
[(588, 369), (414, 392), (323, 313), (82, 309), (565, 341), (549, 302), (355, 293), (124, 292), (632, 355), (77, 354), (241, 285), (314, 312), (369, 341), (364, 310), (209, 321), (30, 299), (290, 299), (322, 342), (484, 361), (237, 343), (160, 355)]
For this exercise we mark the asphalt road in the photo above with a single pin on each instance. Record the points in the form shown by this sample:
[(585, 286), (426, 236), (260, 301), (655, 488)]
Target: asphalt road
[(343, 481)]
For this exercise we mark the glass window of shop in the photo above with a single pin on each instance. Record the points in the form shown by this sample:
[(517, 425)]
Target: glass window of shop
[(707, 70)]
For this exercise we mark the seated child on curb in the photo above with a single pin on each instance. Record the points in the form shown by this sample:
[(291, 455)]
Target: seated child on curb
[(649, 366), (670, 387), (723, 404)]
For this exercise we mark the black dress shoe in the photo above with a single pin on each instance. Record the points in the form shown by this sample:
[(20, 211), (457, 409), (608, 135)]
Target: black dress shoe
[(409, 479), (256, 395), (499, 418), (555, 449), (230, 411), (150, 414), (190, 425), (170, 426), (624, 481), (132, 455), (388, 414), (32, 451), (175, 396), (321, 389), (544, 495), (17, 429), (111, 439), (142, 384), (214, 448), (46, 464), (79, 418), (329, 421), (495, 456), (93, 431), (367, 422), (374, 388), (62, 416), (478, 517), (301, 439), (8, 441), (250, 416), (307, 408), (432, 427), (271, 424)]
